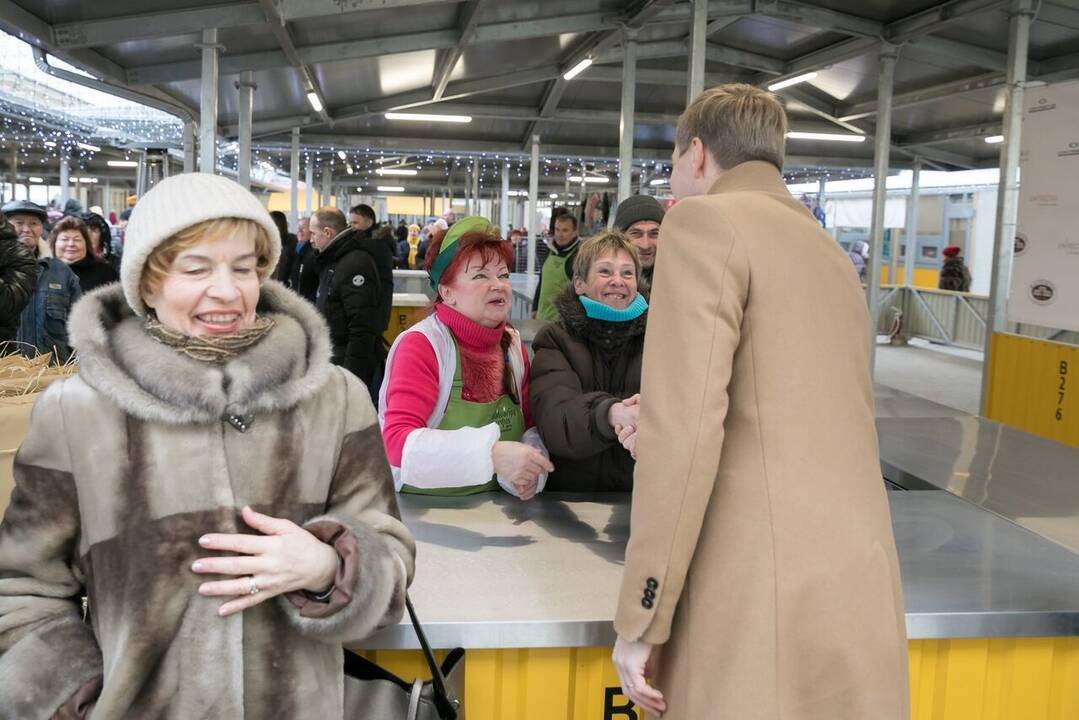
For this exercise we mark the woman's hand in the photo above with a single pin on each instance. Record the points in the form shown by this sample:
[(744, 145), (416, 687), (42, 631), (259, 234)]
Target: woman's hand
[(625, 413), (628, 437), (520, 465), (285, 558)]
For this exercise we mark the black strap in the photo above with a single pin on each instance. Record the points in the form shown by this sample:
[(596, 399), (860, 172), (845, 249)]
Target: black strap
[(446, 706)]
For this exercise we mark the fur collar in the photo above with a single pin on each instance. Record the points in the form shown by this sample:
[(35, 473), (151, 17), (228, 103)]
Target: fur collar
[(155, 383), (609, 335)]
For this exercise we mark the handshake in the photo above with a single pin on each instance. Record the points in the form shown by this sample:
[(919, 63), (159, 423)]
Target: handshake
[(623, 417)]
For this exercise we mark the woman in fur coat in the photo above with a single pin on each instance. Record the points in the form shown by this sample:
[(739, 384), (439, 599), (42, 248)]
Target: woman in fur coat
[(247, 527)]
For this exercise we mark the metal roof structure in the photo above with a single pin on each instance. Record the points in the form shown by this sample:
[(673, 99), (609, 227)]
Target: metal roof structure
[(502, 64)]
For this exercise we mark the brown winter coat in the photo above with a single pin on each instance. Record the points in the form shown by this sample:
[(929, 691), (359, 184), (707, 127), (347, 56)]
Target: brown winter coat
[(581, 367), (127, 464), (761, 553)]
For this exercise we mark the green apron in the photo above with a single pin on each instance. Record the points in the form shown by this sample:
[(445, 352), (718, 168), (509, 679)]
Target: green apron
[(553, 279), (461, 413)]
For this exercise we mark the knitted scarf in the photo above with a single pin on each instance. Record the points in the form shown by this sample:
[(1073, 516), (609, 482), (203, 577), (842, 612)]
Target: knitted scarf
[(210, 348)]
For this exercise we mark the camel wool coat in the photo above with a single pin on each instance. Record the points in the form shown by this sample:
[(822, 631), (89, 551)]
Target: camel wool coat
[(761, 554)]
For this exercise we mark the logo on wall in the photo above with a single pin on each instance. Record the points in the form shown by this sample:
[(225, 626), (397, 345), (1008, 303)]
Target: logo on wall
[(1020, 244), (1073, 149), (1042, 105), (1043, 292)]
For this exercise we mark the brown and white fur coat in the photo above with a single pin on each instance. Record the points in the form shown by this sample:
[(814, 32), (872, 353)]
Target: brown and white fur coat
[(127, 464)]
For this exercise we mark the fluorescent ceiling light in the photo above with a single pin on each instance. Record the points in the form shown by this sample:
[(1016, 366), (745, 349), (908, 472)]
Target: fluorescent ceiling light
[(590, 179), (36, 180), (123, 163), (994, 139), (390, 188), (554, 196), (316, 102), (88, 146), (792, 81), (359, 189), (429, 118), (831, 137), (86, 180), (460, 203), (518, 193), (341, 154), (395, 171), (659, 181), (578, 69), (50, 143), (349, 168)]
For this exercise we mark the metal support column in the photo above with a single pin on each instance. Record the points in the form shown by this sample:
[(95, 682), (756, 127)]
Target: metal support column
[(532, 219), (505, 216), (294, 180), (698, 43), (189, 146), (327, 184), (309, 185), (883, 142), (246, 86), (912, 225), (1022, 15), (475, 209), (208, 121), (65, 177), (625, 123), (15, 171), (642, 184), (140, 176)]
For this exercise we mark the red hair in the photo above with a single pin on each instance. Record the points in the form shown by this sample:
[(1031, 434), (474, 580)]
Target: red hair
[(490, 246)]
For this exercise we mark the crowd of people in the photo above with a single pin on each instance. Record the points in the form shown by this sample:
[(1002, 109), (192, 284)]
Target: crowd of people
[(259, 431)]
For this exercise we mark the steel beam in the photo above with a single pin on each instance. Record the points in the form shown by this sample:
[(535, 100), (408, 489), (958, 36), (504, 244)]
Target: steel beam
[(982, 57), (625, 126), (294, 180), (936, 18), (868, 108), (698, 42), (949, 134), (1021, 17), (912, 225), (284, 39), (208, 123), (533, 197), (189, 146), (882, 146), (246, 86), (469, 16), (141, 26), (745, 59)]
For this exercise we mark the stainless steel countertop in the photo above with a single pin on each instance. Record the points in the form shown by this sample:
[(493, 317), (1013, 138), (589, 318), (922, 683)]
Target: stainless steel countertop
[(496, 573), (1025, 478)]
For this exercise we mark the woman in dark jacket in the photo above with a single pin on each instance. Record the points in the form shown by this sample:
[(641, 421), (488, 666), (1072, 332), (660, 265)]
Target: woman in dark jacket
[(71, 243), (586, 374)]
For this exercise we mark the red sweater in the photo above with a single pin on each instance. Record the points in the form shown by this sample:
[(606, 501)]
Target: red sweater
[(413, 383)]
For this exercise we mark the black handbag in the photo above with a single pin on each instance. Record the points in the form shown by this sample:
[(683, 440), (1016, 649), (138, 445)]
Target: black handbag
[(374, 693)]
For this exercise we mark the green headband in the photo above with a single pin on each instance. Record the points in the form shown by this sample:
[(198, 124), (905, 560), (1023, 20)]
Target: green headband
[(448, 251)]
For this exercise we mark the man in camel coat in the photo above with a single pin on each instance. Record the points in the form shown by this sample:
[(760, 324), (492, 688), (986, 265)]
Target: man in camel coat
[(761, 580)]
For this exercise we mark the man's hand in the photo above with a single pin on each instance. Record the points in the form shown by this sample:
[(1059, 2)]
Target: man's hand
[(635, 663)]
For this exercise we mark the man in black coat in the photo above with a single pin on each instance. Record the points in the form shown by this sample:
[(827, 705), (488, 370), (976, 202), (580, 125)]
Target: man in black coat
[(303, 275), (379, 242), (349, 292), (18, 278)]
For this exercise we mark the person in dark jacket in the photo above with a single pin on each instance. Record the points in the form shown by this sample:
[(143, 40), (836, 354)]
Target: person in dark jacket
[(382, 247), (639, 217), (586, 374), (303, 277), (18, 276), (43, 323), (349, 292), (954, 274), (70, 242), (101, 244)]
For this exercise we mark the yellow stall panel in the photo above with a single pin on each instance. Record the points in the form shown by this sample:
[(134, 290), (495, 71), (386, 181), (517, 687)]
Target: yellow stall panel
[(1034, 386), (976, 679)]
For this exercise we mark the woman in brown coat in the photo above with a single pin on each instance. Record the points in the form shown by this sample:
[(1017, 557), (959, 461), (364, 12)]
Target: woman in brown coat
[(586, 374)]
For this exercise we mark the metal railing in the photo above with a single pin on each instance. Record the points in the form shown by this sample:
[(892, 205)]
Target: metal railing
[(948, 318)]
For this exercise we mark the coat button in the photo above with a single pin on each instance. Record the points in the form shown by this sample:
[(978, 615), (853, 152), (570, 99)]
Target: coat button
[(650, 594), (646, 603), (652, 583)]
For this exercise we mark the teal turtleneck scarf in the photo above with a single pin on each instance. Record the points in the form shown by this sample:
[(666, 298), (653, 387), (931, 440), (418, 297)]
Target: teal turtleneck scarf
[(599, 311)]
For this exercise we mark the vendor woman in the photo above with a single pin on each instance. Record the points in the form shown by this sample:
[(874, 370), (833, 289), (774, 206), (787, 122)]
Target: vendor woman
[(454, 405)]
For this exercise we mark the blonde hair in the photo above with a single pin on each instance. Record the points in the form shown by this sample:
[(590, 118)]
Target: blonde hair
[(161, 259), (595, 247), (736, 123)]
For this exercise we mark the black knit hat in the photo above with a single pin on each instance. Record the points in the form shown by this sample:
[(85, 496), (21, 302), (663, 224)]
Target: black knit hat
[(636, 208)]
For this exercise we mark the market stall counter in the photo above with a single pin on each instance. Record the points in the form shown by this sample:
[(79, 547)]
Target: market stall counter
[(529, 589)]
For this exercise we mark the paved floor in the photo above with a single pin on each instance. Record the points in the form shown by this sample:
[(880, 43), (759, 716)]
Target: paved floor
[(947, 376)]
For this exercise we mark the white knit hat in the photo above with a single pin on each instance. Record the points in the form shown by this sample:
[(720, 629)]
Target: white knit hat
[(180, 202)]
